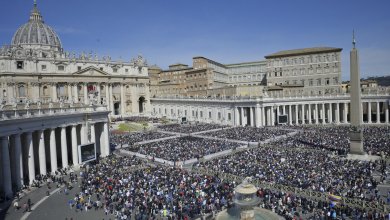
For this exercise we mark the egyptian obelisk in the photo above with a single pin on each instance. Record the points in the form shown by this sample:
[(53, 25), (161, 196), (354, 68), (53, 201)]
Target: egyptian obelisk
[(356, 134)]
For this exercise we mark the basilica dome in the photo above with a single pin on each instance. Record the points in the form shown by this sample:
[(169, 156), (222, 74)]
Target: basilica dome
[(35, 33)]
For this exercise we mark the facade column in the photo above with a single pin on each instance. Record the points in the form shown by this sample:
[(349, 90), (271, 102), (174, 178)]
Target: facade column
[(369, 112), (75, 157), (75, 93), (386, 112), (272, 115), (330, 113), (42, 153), (93, 135), (316, 113), (263, 119), (323, 113), (296, 114), (252, 121), (378, 112), (284, 109), (64, 148), (303, 114), (123, 99), (53, 150), (68, 85), (85, 89), (30, 156), (18, 157), (337, 113), (309, 115), (54, 96), (345, 113), (83, 134), (277, 113), (6, 166), (99, 96), (290, 114)]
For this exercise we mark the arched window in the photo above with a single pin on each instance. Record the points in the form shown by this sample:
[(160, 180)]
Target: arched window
[(45, 91), (22, 91)]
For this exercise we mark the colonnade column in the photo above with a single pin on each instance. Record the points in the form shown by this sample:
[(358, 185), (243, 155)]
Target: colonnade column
[(242, 116), (30, 156), (290, 114), (53, 151), (18, 157), (83, 134), (75, 157), (309, 116), (345, 112), (258, 117), (284, 109), (104, 141), (6, 166), (323, 113), (122, 99), (303, 114), (99, 97), (316, 113), (378, 113), (42, 153), (272, 115), (263, 120), (337, 113), (369, 112), (330, 113), (296, 114), (111, 99), (386, 112), (64, 148), (236, 116), (252, 121), (277, 113)]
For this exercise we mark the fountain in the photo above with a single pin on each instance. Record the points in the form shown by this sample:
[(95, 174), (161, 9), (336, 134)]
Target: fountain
[(245, 202)]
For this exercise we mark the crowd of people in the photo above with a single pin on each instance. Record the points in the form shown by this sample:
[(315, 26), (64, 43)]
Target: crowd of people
[(183, 148), (376, 139), (305, 169), (249, 134), (120, 139), (178, 128), (135, 119), (150, 193)]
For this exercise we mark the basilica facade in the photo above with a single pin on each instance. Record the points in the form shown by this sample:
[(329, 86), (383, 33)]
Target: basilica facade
[(35, 69)]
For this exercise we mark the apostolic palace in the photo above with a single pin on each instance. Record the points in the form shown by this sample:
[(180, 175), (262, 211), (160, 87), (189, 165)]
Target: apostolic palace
[(52, 100)]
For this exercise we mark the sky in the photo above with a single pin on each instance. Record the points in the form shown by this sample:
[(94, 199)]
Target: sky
[(227, 31)]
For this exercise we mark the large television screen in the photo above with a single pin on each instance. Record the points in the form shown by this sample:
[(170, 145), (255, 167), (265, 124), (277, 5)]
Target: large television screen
[(87, 152), (282, 119)]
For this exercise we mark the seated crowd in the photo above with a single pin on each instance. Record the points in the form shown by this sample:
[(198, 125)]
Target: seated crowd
[(249, 134), (132, 138), (304, 169), (189, 128), (184, 148)]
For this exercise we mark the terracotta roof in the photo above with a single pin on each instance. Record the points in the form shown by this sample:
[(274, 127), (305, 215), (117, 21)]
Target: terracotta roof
[(304, 51)]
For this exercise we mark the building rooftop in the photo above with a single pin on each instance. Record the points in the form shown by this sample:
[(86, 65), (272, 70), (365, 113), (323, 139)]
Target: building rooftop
[(303, 51)]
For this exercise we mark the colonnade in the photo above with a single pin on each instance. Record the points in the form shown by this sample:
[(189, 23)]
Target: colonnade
[(38, 152), (308, 113)]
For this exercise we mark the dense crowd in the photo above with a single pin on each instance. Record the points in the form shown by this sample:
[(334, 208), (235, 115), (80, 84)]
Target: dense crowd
[(178, 128), (248, 134), (132, 138), (305, 169), (376, 140), (150, 193), (184, 148)]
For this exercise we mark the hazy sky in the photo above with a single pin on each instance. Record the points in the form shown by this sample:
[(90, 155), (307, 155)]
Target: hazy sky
[(172, 31)]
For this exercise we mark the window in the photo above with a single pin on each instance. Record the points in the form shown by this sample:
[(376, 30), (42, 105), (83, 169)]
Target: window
[(201, 114), (126, 70), (115, 70), (61, 68), (22, 91), (19, 65), (79, 68), (219, 115), (209, 114), (327, 81), (229, 116)]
